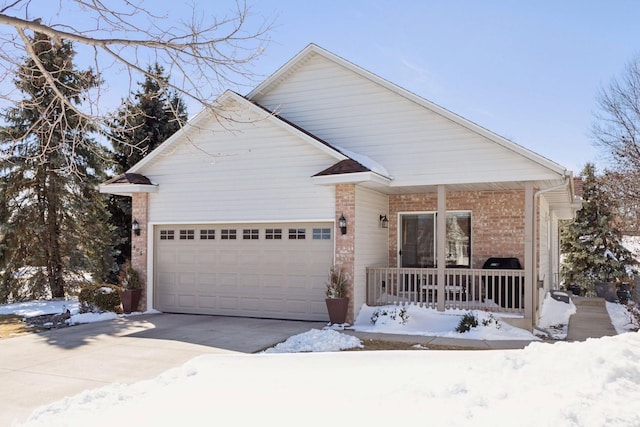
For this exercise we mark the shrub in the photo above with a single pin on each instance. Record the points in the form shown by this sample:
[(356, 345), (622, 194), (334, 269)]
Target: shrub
[(337, 283), (467, 322), (393, 314), (129, 278), (99, 298)]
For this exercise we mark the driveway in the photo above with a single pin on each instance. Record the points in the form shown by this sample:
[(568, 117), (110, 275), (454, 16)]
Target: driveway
[(37, 369)]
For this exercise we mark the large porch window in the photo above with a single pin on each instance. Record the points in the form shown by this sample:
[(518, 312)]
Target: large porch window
[(418, 240)]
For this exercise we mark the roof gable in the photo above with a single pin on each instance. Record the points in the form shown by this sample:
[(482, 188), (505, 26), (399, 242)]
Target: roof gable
[(287, 72), (199, 122)]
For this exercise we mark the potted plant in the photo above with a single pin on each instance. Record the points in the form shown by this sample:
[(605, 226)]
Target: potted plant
[(337, 300), (131, 288)]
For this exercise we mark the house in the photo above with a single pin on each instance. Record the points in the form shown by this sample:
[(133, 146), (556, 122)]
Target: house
[(239, 213)]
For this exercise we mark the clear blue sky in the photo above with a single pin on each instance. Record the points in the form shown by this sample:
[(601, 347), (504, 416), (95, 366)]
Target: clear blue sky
[(529, 71)]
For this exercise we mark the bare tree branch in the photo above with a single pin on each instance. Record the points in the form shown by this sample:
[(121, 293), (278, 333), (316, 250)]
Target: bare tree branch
[(202, 54)]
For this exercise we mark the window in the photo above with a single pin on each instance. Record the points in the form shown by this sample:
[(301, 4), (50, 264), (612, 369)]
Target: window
[(273, 234), (166, 234), (418, 239), (458, 239), (187, 234), (252, 234), (228, 234), (297, 233), (207, 234), (321, 234)]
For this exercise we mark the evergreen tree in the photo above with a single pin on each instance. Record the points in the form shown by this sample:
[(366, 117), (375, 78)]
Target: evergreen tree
[(53, 219), (592, 242), (138, 129)]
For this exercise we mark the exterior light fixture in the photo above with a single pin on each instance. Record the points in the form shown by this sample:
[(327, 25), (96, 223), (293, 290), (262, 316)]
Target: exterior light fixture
[(384, 222), (135, 227), (342, 223)]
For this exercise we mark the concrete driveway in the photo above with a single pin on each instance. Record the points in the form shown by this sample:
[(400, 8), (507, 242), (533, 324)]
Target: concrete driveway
[(37, 369)]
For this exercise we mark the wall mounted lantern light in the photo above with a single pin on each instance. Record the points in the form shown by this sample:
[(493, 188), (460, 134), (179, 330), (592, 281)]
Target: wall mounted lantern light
[(135, 227), (342, 223), (384, 222)]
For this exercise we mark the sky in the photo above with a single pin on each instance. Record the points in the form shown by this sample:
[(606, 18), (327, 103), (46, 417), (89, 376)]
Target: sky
[(442, 388), (528, 71)]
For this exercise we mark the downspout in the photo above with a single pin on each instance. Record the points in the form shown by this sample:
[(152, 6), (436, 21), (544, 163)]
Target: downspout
[(534, 287)]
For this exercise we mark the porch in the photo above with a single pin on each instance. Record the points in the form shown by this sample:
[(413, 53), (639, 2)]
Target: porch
[(467, 289)]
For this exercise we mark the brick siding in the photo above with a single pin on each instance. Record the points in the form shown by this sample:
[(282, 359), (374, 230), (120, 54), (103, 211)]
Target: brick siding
[(497, 221), (345, 244), (139, 212)]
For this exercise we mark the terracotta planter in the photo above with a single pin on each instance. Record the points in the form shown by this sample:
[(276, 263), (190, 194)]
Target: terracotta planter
[(130, 300), (337, 308)]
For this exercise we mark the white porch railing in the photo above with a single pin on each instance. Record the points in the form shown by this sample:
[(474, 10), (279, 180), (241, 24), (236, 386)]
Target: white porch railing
[(497, 290)]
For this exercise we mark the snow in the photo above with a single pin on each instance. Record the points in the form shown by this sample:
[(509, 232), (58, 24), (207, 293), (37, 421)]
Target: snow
[(365, 161), (430, 322), (29, 309), (591, 383), (554, 317), (621, 318), (316, 340)]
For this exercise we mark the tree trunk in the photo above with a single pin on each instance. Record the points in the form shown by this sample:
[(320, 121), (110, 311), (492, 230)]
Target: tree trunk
[(54, 260)]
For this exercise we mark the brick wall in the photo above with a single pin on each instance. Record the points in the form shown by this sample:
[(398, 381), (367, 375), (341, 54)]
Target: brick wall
[(497, 221), (345, 244), (139, 211)]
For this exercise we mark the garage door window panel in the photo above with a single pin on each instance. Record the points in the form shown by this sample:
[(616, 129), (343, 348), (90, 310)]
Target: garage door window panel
[(297, 233), (251, 234), (167, 234), (273, 234), (207, 234), (321, 234), (228, 234), (187, 234)]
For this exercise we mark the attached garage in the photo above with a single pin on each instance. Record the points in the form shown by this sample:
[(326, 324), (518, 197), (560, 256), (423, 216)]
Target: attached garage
[(254, 270)]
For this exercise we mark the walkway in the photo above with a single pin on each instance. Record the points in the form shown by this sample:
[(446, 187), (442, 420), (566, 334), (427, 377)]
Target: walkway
[(590, 321)]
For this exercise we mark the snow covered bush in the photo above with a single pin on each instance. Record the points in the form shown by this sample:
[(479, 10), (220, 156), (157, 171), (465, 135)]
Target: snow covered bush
[(395, 313)]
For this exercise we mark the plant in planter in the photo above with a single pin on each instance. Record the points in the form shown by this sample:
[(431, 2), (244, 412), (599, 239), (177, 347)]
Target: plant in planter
[(131, 288), (337, 300)]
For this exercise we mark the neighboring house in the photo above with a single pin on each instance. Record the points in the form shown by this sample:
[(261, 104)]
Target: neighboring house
[(239, 213)]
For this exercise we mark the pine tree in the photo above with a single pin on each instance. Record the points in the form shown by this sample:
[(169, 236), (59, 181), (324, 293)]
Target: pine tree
[(592, 242), (138, 129), (53, 219)]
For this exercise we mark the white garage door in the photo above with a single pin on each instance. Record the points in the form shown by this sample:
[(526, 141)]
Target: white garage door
[(255, 270)]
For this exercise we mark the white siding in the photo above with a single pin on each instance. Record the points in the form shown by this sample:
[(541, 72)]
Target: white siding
[(371, 241), (249, 170), (416, 145)]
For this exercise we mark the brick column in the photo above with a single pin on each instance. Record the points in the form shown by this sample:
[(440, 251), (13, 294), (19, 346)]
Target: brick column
[(139, 212), (345, 243)]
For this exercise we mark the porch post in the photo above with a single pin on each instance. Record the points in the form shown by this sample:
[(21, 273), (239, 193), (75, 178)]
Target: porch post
[(530, 284), (441, 239)]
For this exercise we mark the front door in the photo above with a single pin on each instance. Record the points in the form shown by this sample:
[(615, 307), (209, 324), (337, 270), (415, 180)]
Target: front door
[(417, 240)]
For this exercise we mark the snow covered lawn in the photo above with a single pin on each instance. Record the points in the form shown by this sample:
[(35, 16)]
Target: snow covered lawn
[(593, 383)]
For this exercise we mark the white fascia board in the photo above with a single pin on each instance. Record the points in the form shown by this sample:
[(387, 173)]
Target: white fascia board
[(127, 189), (352, 178)]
